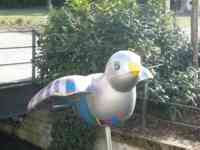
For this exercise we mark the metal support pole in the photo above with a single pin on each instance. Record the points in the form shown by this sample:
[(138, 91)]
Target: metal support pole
[(33, 53), (108, 137), (144, 106)]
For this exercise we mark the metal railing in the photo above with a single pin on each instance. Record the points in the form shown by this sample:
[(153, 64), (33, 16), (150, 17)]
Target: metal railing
[(32, 46), (146, 102)]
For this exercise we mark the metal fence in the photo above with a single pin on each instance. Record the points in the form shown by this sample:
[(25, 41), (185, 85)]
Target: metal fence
[(146, 102), (17, 49)]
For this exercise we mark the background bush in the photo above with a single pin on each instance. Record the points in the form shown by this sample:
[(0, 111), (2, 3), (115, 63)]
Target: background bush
[(22, 3), (80, 37)]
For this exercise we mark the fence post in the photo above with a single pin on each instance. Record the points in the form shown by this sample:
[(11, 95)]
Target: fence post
[(33, 53), (144, 105)]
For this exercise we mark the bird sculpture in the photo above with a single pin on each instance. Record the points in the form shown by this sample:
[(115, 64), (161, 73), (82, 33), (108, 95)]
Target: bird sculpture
[(103, 99)]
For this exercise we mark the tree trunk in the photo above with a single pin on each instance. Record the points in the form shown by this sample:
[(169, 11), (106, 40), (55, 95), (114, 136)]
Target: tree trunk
[(194, 32), (167, 6)]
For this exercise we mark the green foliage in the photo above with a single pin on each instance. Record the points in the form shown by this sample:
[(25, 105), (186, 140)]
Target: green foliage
[(174, 81), (69, 132), (100, 5), (83, 42), (79, 39), (22, 3)]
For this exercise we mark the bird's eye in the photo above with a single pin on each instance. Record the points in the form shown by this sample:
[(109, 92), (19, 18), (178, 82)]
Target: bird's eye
[(116, 66)]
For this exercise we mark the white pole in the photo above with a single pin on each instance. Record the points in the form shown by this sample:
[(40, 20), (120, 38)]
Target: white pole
[(108, 137)]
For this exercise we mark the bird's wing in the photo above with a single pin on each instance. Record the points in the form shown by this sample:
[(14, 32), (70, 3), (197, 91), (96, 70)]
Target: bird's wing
[(67, 87), (132, 104)]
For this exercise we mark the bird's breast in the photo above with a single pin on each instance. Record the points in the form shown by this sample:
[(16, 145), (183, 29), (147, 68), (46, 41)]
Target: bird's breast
[(110, 105)]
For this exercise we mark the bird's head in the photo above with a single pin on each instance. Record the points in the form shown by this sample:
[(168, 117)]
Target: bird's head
[(124, 70)]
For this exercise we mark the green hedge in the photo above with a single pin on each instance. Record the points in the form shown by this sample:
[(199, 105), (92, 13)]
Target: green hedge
[(22, 3)]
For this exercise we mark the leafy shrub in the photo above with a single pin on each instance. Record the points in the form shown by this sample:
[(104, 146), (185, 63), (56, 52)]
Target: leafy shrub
[(69, 132), (83, 41)]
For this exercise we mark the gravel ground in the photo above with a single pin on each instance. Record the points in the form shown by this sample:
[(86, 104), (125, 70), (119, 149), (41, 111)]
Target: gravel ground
[(164, 132)]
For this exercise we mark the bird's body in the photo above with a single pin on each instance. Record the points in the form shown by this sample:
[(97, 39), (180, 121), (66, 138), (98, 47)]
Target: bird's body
[(108, 105), (104, 98)]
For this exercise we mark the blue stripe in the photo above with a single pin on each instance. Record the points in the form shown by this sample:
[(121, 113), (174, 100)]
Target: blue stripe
[(85, 112), (70, 86)]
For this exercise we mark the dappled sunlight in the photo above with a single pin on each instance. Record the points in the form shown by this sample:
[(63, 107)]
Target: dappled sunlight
[(22, 17)]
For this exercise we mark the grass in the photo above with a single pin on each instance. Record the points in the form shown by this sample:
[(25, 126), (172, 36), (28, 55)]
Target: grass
[(36, 16), (184, 21), (23, 17)]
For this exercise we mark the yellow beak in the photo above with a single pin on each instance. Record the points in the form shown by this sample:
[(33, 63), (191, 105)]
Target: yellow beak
[(134, 69)]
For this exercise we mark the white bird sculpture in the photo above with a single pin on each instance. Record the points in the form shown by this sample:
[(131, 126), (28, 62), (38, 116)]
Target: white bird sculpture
[(102, 99)]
